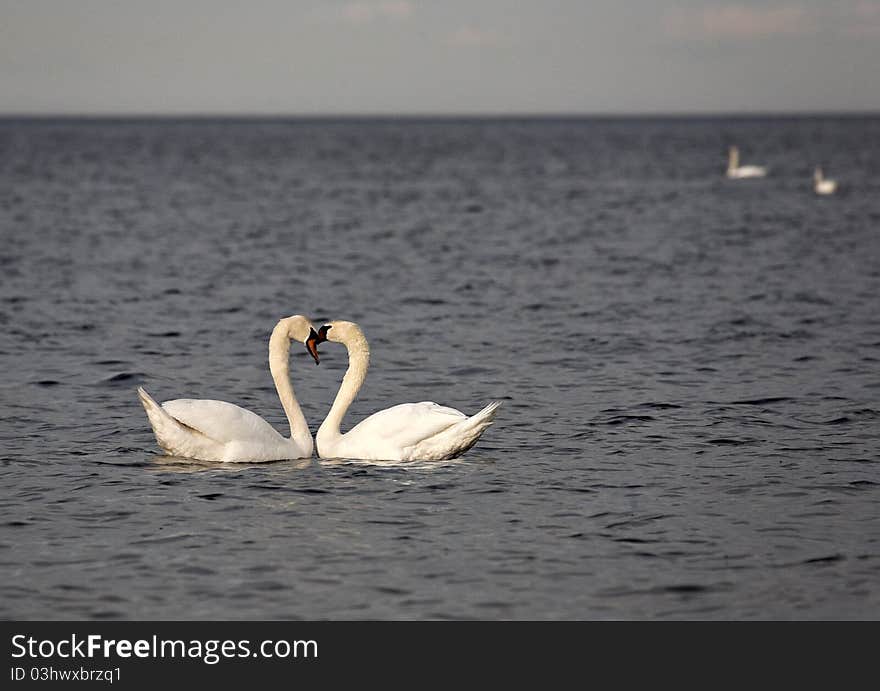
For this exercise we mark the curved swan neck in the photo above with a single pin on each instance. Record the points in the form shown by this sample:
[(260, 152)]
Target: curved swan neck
[(358, 363), (279, 366)]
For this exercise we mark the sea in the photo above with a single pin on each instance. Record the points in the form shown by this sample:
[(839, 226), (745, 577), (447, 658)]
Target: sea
[(689, 366)]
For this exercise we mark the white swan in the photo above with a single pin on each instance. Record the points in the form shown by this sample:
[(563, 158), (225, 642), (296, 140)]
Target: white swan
[(736, 172), (821, 184), (223, 432), (407, 432)]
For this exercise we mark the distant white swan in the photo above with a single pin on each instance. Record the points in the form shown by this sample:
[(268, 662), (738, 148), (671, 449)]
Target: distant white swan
[(218, 431), (737, 172), (821, 184), (407, 432)]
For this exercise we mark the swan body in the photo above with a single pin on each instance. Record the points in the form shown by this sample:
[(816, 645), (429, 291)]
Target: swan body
[(208, 430), (407, 432), (821, 184), (737, 172)]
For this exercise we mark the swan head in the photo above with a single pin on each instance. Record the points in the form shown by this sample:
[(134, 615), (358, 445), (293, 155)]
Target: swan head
[(338, 331), (347, 333), (300, 329)]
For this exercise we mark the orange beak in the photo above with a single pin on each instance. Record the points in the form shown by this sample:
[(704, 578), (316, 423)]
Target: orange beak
[(312, 345)]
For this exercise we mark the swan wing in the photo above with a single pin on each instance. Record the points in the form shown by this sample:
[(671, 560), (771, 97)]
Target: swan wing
[(457, 439), (223, 422), (406, 424)]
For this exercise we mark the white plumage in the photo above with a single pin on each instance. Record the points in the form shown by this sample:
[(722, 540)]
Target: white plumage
[(209, 430), (737, 172), (821, 184), (409, 431)]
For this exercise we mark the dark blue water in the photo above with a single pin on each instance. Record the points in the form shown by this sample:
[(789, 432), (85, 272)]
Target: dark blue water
[(689, 367)]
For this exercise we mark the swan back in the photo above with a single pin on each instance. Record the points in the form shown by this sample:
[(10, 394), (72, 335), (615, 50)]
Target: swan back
[(221, 421), (407, 423), (412, 431)]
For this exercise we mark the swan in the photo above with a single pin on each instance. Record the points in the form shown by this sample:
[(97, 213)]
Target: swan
[(223, 432), (821, 184), (406, 432), (736, 172)]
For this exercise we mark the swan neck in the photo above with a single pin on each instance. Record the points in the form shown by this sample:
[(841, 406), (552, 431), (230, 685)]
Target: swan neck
[(279, 366), (358, 364)]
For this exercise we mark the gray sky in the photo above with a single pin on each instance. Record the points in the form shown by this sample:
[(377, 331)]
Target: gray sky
[(440, 56)]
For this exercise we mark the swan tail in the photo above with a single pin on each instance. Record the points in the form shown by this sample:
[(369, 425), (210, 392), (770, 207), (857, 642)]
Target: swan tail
[(486, 416), (149, 404), (172, 435), (455, 440)]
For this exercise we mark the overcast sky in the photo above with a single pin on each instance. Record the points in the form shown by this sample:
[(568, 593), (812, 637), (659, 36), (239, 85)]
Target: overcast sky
[(437, 56)]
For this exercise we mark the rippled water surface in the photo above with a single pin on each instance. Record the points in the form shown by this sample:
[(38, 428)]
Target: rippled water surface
[(689, 367)]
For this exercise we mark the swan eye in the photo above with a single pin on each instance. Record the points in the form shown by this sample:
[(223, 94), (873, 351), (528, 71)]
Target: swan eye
[(322, 332)]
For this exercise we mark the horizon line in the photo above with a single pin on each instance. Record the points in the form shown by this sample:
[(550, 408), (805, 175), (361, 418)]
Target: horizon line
[(425, 115)]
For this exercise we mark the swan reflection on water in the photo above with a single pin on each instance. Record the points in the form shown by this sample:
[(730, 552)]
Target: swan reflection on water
[(401, 464), (176, 464)]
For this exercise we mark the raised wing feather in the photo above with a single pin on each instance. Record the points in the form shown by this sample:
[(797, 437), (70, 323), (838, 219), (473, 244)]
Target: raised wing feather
[(221, 421), (406, 424)]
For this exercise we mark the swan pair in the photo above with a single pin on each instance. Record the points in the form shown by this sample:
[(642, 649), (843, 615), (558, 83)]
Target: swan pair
[(219, 431)]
